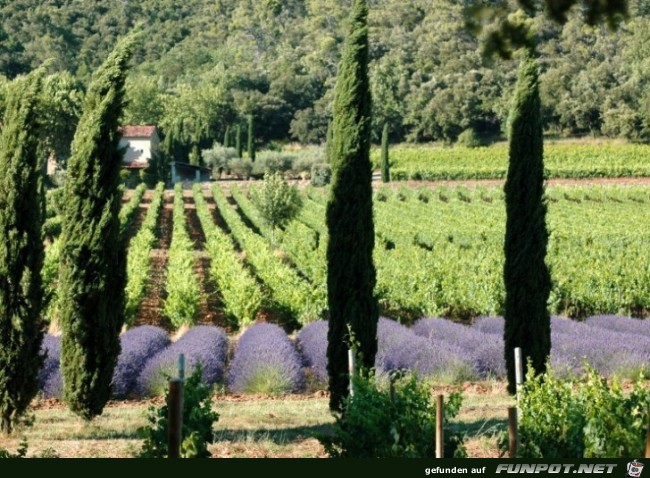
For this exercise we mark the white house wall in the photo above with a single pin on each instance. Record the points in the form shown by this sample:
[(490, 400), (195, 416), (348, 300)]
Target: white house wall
[(138, 149)]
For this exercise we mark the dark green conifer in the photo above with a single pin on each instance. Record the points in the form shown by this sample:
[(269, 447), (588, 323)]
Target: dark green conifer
[(93, 256), (351, 274), (226, 138), (238, 143), (21, 252), (251, 139), (526, 275), (385, 168), (328, 144)]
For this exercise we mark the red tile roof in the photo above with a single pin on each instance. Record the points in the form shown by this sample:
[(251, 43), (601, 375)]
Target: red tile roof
[(144, 131)]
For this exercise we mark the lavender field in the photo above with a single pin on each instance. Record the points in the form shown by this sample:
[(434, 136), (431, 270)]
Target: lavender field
[(266, 360)]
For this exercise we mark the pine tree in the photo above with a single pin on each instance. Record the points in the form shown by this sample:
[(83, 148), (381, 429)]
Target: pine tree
[(351, 274), (21, 252), (526, 275), (238, 143), (93, 256), (226, 138), (385, 168), (251, 139)]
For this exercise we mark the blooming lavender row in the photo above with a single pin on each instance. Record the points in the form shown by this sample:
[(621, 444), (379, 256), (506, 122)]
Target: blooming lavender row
[(138, 346), (266, 362), (203, 344), (50, 376)]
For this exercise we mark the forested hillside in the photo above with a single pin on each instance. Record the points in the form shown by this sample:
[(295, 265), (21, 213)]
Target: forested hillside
[(207, 64)]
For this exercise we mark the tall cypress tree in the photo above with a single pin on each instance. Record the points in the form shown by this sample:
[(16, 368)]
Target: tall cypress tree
[(526, 275), (328, 144), (21, 252), (251, 138), (238, 143), (93, 256), (226, 138), (385, 171), (351, 274)]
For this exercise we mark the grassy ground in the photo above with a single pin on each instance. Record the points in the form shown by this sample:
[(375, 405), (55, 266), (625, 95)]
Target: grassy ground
[(248, 426)]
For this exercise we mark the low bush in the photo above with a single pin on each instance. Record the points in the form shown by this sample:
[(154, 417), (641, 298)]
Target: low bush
[(266, 362), (198, 419), (321, 174), (587, 419), (380, 424), (139, 345), (203, 344)]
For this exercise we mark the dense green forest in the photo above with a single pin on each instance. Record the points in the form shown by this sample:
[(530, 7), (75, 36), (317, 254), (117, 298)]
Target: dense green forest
[(204, 65)]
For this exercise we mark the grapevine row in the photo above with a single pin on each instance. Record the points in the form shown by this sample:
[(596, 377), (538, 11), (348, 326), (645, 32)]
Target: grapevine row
[(139, 256), (183, 288), (241, 294)]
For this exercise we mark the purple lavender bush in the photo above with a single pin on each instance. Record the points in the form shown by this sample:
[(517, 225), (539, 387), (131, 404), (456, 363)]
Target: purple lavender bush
[(139, 345), (608, 351), (312, 342), (202, 344), (490, 325), (266, 362), (621, 324), (401, 349), (49, 378), (484, 351)]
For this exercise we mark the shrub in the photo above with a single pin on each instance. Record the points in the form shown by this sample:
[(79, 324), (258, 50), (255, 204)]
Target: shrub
[(203, 344), (271, 162), (620, 324), (321, 174), (469, 139), (49, 378), (277, 201), (139, 345), (400, 349), (219, 158), (485, 351), (265, 362), (241, 168), (376, 425), (198, 418), (312, 341), (589, 419)]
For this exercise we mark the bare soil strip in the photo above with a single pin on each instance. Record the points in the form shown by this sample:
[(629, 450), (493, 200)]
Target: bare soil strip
[(150, 312), (211, 309)]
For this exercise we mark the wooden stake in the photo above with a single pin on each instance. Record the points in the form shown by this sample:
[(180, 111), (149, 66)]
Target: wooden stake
[(440, 445), (175, 418), (647, 438), (513, 444), (351, 370), (181, 367)]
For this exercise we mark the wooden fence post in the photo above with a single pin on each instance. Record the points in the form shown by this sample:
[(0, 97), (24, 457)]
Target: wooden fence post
[(647, 438), (351, 370), (519, 371), (440, 445), (513, 434), (175, 418)]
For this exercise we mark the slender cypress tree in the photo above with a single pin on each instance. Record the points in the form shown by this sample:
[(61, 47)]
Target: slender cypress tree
[(328, 144), (526, 275), (251, 139), (93, 255), (351, 274), (385, 171), (226, 138), (21, 252), (238, 143)]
